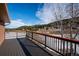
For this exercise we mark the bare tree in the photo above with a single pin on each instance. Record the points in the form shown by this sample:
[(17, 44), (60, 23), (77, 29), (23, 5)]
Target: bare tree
[(73, 12), (59, 16)]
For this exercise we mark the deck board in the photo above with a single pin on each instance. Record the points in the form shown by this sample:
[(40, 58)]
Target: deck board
[(11, 47)]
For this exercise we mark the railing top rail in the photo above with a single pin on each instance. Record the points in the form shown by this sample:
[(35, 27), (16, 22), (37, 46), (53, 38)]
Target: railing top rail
[(60, 38)]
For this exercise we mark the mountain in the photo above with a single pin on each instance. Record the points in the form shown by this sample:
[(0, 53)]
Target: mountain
[(56, 24)]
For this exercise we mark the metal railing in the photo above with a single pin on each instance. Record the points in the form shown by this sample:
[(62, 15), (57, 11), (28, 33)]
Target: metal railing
[(14, 35), (63, 46)]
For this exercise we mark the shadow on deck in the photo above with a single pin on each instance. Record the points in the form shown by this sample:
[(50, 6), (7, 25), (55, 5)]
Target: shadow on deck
[(31, 49)]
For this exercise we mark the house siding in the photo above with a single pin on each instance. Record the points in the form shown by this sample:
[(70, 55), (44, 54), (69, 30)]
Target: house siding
[(2, 35)]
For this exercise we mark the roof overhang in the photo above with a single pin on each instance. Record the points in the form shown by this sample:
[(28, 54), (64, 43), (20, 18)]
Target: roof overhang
[(4, 13)]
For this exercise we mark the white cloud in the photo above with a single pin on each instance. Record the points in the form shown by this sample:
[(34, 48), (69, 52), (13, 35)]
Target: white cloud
[(45, 14), (16, 23)]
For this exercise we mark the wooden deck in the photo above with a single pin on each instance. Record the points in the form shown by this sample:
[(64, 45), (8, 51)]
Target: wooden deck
[(11, 47), (31, 48), (21, 47)]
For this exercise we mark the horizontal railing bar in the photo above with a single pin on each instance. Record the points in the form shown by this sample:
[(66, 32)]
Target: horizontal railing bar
[(60, 38)]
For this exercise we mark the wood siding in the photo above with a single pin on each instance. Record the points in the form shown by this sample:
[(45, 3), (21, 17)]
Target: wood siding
[(2, 35)]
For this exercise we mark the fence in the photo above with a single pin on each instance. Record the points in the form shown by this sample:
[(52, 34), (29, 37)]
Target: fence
[(60, 45), (14, 35)]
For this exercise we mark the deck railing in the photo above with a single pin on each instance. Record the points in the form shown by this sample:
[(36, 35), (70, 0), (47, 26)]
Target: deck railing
[(63, 46)]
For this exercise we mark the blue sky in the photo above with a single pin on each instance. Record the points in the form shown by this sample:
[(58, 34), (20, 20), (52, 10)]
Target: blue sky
[(26, 12), (21, 14)]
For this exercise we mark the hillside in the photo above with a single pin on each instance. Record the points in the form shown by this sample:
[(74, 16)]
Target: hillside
[(56, 24)]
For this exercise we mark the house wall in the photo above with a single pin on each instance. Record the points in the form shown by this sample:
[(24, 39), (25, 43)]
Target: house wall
[(2, 31)]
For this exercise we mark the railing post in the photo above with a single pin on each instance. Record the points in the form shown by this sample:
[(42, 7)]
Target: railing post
[(63, 47), (75, 49), (32, 35), (67, 48), (71, 48), (16, 35), (26, 33), (45, 41)]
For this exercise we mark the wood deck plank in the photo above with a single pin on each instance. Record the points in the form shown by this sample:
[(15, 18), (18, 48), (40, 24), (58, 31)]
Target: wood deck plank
[(11, 47)]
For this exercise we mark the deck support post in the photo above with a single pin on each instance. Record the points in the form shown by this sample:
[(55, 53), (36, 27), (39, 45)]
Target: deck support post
[(45, 41), (32, 35)]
